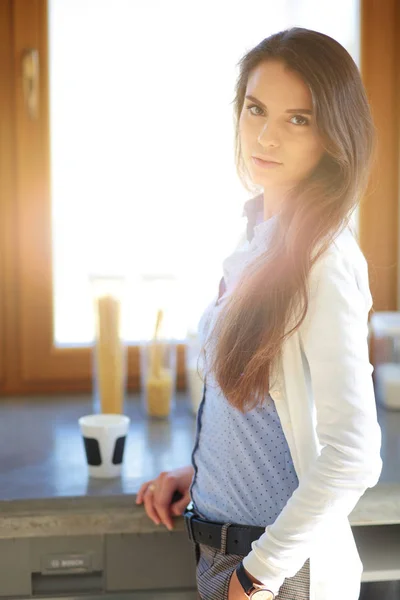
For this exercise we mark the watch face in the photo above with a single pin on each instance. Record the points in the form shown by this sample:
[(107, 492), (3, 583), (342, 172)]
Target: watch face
[(261, 595)]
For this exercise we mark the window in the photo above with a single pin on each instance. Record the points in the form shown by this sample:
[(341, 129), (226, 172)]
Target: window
[(143, 177), (129, 165)]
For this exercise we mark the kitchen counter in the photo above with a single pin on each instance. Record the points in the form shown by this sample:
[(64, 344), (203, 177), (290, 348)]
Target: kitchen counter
[(45, 491), (43, 467), (42, 454), (45, 486), (65, 535)]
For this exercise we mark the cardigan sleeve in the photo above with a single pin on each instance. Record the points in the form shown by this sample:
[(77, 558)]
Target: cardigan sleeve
[(333, 338)]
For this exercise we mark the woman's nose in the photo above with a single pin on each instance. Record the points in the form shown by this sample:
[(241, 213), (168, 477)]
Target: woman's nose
[(269, 135)]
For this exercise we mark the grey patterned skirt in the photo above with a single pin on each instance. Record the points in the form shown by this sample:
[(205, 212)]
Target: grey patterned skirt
[(214, 570)]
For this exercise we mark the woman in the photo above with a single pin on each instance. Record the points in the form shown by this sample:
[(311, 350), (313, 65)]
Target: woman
[(289, 435)]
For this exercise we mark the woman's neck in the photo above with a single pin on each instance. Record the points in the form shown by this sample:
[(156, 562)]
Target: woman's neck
[(273, 200)]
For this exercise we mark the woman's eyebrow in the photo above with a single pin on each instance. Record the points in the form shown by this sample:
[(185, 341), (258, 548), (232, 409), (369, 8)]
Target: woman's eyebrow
[(307, 111)]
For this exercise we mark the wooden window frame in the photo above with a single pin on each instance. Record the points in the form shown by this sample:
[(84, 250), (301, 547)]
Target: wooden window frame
[(379, 210), (29, 361)]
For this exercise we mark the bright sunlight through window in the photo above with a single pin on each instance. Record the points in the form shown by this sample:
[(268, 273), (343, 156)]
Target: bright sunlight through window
[(142, 156)]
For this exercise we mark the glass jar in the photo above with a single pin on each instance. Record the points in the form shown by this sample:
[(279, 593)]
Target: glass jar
[(158, 376), (109, 352)]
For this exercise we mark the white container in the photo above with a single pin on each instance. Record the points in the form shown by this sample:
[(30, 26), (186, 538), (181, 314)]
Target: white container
[(388, 385), (104, 438), (385, 339)]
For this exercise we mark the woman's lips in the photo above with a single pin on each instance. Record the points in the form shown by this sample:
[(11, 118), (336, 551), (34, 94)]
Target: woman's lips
[(265, 164)]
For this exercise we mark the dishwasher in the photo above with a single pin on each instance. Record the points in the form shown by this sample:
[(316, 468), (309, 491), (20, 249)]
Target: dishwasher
[(115, 566)]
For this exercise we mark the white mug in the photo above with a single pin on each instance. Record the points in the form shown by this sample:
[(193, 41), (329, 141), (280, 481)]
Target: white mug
[(104, 437)]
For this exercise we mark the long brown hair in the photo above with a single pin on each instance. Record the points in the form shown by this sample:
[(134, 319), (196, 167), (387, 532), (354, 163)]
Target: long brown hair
[(248, 335)]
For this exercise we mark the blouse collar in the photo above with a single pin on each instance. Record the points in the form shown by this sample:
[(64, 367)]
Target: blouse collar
[(258, 239), (257, 226)]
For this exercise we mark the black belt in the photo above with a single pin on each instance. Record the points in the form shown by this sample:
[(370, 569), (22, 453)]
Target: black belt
[(238, 537)]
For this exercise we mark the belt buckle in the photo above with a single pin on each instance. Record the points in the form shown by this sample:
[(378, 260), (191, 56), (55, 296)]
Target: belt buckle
[(189, 515)]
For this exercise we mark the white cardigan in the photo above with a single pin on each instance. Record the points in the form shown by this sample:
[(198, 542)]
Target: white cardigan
[(325, 399)]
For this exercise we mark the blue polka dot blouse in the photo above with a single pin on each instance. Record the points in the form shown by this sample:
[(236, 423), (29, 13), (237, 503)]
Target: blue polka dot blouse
[(243, 468)]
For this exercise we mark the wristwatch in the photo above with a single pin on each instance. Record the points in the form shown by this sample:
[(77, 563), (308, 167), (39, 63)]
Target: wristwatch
[(255, 591)]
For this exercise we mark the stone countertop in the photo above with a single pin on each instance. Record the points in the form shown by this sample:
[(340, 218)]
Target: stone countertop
[(42, 454), (45, 489)]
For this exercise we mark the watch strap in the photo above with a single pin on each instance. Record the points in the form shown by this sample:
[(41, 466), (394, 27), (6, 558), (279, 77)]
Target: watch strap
[(246, 583)]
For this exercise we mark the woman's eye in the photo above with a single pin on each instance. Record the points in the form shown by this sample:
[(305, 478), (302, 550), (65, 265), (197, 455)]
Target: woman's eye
[(304, 119), (253, 106)]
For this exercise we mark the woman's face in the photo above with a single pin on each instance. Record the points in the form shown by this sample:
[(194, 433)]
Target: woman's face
[(278, 124)]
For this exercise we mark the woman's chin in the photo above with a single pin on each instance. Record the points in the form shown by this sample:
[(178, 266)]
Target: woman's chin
[(266, 178)]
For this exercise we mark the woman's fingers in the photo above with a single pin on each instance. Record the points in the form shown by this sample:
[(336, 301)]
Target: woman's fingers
[(163, 507), (163, 493), (142, 489), (159, 495), (146, 496), (150, 508), (179, 506), (155, 501)]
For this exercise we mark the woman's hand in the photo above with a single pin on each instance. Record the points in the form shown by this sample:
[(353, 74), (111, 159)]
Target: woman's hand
[(235, 590), (158, 495)]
